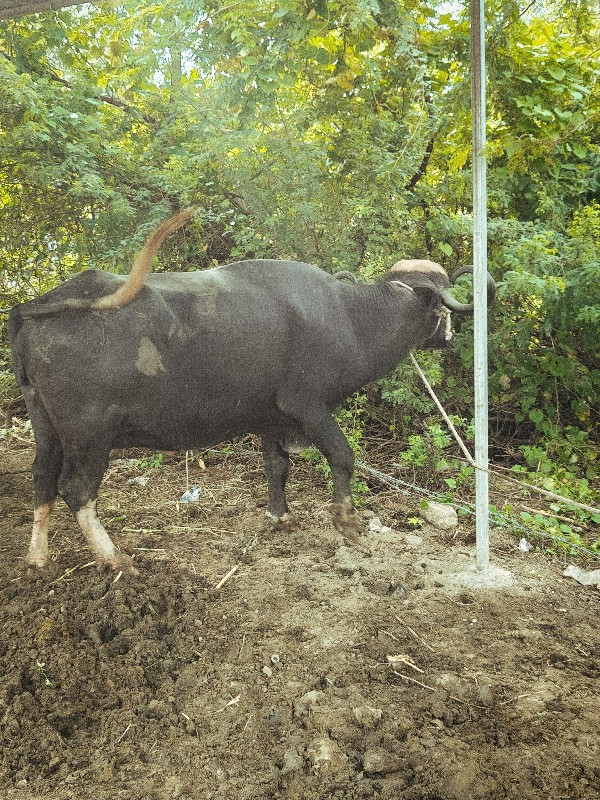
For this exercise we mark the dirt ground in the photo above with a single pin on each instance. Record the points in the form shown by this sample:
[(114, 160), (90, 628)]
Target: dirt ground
[(319, 669)]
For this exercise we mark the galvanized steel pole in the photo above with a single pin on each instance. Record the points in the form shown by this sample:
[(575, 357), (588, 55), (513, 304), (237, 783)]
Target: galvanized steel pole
[(480, 282)]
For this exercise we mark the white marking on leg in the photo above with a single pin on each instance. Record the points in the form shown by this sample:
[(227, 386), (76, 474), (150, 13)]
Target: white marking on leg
[(37, 554), (97, 538)]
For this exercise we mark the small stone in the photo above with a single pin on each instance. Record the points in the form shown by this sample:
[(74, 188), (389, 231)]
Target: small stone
[(158, 709), (292, 761), (378, 761), (346, 560), (367, 716), (440, 515), (382, 587), (455, 685), (486, 694), (324, 754), (376, 526), (303, 705), (97, 592), (412, 540), (404, 726)]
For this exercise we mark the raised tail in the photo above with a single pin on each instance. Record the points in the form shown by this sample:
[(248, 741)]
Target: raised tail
[(136, 279)]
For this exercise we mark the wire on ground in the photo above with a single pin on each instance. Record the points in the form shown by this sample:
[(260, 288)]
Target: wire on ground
[(500, 519)]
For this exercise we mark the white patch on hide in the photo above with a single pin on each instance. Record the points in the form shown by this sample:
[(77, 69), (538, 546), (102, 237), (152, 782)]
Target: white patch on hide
[(149, 361)]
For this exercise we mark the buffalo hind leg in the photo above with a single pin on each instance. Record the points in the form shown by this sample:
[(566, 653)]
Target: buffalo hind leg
[(277, 467), (46, 469), (78, 484), (322, 430), (99, 541), (37, 555)]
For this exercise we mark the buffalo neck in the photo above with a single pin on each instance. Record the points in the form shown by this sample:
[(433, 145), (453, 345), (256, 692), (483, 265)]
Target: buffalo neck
[(388, 322)]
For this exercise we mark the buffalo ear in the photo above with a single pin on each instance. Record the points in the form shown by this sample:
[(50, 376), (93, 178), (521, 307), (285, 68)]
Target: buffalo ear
[(429, 295)]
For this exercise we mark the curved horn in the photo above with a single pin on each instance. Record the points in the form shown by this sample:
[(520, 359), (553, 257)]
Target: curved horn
[(491, 288), (453, 304), (468, 270)]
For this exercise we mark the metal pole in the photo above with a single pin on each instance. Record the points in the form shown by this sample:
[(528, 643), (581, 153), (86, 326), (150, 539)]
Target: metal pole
[(480, 282)]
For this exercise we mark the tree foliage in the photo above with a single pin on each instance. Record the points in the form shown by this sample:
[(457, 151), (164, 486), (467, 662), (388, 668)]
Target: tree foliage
[(333, 131)]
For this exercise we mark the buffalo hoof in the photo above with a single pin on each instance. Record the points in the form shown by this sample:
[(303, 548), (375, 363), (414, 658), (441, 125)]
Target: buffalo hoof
[(36, 561), (346, 520), (119, 563), (286, 521), (48, 570)]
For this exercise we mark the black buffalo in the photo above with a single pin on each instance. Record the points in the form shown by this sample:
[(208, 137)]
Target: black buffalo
[(175, 361)]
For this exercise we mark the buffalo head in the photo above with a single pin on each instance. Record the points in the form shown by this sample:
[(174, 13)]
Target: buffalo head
[(430, 282)]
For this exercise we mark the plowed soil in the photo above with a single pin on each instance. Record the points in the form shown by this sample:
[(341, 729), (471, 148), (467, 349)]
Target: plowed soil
[(320, 668)]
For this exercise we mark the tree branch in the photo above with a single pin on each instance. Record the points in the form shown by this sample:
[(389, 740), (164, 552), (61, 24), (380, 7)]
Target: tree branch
[(19, 9), (422, 167), (238, 201), (428, 151), (105, 98)]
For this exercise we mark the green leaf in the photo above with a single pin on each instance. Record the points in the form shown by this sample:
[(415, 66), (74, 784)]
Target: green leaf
[(565, 528), (562, 114)]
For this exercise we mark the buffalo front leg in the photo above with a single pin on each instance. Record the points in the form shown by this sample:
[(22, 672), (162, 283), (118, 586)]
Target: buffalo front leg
[(322, 430), (277, 467)]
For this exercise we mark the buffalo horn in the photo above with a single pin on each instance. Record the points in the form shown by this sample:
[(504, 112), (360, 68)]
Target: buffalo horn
[(465, 307), (453, 304)]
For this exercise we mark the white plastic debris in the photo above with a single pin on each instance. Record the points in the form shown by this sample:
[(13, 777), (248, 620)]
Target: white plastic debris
[(586, 578), (376, 526), (525, 546), (191, 495)]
